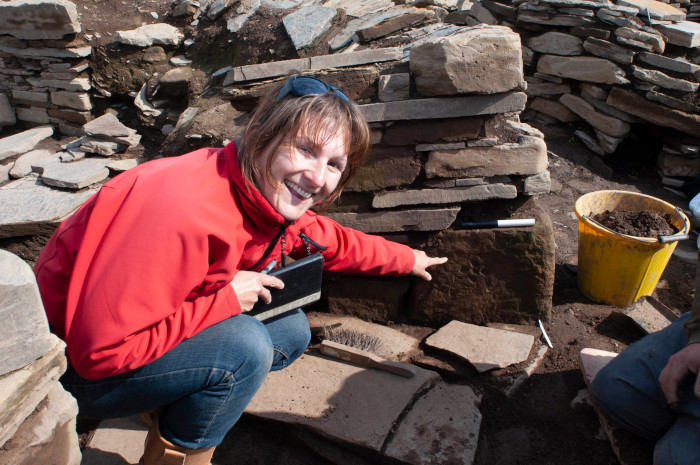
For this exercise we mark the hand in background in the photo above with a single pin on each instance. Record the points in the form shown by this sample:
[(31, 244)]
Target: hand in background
[(250, 286), (423, 261), (682, 362)]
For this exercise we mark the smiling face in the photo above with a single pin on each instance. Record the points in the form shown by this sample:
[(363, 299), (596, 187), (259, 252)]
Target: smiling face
[(303, 171)]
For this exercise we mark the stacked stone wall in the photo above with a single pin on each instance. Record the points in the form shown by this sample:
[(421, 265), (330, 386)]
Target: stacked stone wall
[(449, 148), (603, 66), (37, 416), (44, 66)]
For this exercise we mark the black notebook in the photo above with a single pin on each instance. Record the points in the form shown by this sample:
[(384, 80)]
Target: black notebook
[(302, 286)]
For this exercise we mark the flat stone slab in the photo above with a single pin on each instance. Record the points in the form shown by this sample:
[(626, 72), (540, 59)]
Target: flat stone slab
[(448, 412), (591, 69), (655, 113), (397, 221), (655, 9), (445, 195), (23, 165), (23, 141), (685, 33), (27, 207), (21, 390), (485, 348), (107, 125), (431, 108), (338, 400), (650, 315), (150, 34), (75, 175), (529, 156), (117, 442), (307, 24), (24, 332)]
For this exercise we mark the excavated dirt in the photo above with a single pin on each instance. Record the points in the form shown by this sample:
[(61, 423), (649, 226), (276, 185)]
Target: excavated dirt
[(636, 223), (538, 424)]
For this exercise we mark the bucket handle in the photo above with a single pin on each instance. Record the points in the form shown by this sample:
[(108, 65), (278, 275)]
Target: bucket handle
[(677, 237), (660, 239)]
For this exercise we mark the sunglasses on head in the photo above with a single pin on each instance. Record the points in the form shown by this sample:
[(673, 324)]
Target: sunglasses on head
[(306, 85)]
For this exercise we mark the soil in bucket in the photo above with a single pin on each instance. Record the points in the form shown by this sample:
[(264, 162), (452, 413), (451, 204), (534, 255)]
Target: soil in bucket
[(637, 223)]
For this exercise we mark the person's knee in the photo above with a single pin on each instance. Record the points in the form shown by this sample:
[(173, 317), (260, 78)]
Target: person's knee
[(605, 390), (292, 337)]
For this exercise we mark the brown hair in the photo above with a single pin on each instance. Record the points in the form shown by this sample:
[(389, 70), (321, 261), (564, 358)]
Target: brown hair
[(319, 116)]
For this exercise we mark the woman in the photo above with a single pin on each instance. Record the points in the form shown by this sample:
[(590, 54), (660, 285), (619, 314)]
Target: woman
[(149, 281)]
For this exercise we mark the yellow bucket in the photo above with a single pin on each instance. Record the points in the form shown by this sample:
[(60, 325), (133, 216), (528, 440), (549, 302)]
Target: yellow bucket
[(617, 269)]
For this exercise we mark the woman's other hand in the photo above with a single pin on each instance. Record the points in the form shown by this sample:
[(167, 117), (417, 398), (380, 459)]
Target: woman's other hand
[(423, 261), (250, 286)]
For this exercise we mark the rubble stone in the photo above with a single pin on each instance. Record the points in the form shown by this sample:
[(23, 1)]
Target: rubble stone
[(24, 333), (23, 165), (75, 175), (150, 34), (23, 141), (582, 68), (663, 80), (529, 156), (605, 123), (27, 207), (39, 20), (48, 436), (652, 112), (655, 9), (485, 348), (307, 24), (556, 43), (478, 60), (685, 33), (23, 389), (605, 49)]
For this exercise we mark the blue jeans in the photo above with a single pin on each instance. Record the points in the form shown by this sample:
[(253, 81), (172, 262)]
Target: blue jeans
[(204, 384), (627, 389)]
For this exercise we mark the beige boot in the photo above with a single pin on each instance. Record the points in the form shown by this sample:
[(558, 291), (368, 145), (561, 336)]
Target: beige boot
[(159, 451)]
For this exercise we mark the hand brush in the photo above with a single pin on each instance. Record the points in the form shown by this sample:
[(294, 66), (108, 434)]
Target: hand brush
[(355, 347)]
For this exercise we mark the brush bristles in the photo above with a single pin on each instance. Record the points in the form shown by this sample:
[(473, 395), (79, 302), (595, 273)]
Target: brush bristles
[(353, 338)]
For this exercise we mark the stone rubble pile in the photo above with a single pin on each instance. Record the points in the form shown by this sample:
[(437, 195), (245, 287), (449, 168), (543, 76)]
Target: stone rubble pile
[(37, 416), (43, 61), (603, 66), (447, 136), (47, 186)]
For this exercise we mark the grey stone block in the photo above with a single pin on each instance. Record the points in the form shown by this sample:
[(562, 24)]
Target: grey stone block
[(24, 331)]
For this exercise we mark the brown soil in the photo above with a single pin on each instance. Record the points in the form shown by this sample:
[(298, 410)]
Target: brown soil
[(636, 223)]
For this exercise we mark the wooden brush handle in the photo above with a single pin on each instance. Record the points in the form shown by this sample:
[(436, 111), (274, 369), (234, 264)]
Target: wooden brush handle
[(366, 359)]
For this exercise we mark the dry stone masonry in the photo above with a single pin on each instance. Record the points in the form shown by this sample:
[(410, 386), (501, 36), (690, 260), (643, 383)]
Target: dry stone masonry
[(604, 66), (37, 416), (444, 115), (44, 64)]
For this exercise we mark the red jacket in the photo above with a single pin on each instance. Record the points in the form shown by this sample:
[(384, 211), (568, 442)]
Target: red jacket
[(147, 261)]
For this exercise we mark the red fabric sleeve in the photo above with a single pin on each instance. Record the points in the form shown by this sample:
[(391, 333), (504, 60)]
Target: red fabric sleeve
[(353, 251)]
